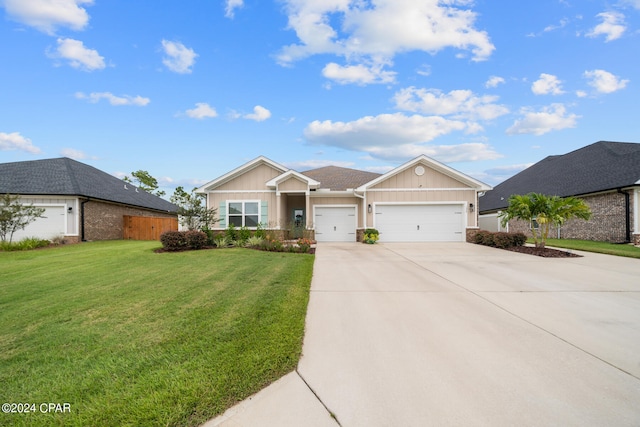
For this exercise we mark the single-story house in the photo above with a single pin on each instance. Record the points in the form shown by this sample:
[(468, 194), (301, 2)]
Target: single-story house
[(421, 200), (81, 202), (605, 174)]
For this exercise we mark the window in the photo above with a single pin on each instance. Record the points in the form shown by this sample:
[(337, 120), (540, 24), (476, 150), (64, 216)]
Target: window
[(244, 214)]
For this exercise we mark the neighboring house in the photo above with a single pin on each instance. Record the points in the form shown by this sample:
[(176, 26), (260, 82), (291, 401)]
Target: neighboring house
[(605, 174), (422, 200), (80, 201)]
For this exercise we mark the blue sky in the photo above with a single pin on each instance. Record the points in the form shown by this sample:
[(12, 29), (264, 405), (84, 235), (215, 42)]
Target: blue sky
[(189, 90)]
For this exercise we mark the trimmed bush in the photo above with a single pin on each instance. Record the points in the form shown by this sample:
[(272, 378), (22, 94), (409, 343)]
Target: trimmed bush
[(174, 240), (196, 239), (500, 240)]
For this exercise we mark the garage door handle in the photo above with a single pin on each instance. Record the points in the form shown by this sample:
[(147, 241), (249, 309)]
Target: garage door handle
[(334, 228), (418, 227)]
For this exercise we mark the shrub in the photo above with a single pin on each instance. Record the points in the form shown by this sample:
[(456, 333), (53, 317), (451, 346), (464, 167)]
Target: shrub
[(221, 241), (196, 239), (304, 245), (231, 233), (371, 231), (25, 244), (260, 232), (500, 240), (254, 242), (174, 240), (243, 235)]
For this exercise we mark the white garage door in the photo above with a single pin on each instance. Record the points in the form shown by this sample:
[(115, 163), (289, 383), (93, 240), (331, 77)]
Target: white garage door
[(335, 223), (52, 225), (420, 223)]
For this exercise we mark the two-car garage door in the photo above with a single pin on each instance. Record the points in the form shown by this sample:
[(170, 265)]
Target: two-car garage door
[(420, 223)]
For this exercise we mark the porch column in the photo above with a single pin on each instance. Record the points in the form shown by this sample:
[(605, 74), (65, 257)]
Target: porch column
[(278, 209), (307, 209)]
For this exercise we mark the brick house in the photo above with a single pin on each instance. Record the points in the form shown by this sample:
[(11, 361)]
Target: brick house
[(605, 174), (81, 202)]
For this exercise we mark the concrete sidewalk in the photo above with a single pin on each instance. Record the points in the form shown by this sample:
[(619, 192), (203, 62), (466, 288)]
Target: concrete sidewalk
[(459, 334)]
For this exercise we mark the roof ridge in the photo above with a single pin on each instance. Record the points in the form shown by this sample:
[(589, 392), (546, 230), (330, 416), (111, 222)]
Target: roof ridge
[(71, 174)]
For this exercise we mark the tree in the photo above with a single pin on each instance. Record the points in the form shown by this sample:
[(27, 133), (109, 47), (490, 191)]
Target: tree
[(546, 211), (145, 181), (192, 210), (15, 216)]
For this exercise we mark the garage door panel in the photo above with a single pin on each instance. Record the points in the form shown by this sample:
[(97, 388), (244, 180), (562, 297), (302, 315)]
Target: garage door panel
[(335, 224), (420, 223)]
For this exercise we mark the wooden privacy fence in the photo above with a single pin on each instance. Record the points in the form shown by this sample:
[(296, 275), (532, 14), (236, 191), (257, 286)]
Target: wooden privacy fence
[(147, 227)]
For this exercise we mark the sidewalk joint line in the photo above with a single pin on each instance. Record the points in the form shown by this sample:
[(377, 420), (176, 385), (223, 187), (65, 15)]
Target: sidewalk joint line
[(331, 414)]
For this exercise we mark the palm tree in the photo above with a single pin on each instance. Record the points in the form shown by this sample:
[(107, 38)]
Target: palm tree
[(546, 211)]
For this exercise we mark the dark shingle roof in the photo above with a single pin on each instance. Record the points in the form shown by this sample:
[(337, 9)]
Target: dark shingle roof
[(601, 166), (66, 177), (339, 179)]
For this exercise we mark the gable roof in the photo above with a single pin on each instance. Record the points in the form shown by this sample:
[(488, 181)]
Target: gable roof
[(67, 177), (339, 179), (252, 164), (601, 166), (433, 164), (289, 174)]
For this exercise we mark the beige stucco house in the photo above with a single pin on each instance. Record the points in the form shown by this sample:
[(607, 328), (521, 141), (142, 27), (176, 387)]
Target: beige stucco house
[(421, 200)]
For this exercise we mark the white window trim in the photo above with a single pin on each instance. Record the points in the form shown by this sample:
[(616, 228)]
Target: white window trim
[(259, 214)]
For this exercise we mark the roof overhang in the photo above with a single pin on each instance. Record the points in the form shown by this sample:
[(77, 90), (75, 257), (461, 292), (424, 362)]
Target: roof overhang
[(433, 164), (312, 183), (211, 185)]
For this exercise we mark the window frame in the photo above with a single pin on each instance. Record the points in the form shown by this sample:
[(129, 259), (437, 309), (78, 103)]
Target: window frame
[(243, 215)]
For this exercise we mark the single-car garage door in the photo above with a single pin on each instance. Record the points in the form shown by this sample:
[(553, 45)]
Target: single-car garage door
[(420, 223), (335, 223)]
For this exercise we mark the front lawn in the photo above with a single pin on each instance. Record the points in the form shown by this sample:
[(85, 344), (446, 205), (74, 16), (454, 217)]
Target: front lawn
[(591, 246), (129, 337)]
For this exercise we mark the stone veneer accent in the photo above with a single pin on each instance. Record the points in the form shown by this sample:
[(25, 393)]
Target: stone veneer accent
[(607, 223), (104, 221)]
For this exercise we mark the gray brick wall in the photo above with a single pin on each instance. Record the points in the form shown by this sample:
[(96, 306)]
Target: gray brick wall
[(607, 223), (104, 221)]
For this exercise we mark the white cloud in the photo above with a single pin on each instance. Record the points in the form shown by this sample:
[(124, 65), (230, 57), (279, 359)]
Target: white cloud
[(563, 23), (494, 81), (202, 111), (604, 82), (612, 26), (78, 55), (550, 118), (457, 103), (633, 3), (15, 141), (259, 114), (374, 32), (95, 97), (179, 58), (396, 136), (231, 6), (72, 153), (547, 84), (358, 74), (47, 15)]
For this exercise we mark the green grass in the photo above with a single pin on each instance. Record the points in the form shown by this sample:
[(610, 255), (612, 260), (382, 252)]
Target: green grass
[(129, 337), (591, 246)]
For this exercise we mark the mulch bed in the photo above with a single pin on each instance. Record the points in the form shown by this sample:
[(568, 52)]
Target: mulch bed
[(543, 252)]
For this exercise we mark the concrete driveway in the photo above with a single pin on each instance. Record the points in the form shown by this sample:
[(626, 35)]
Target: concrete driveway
[(460, 334)]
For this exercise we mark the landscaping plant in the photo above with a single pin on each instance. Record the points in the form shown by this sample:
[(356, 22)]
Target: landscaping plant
[(546, 210)]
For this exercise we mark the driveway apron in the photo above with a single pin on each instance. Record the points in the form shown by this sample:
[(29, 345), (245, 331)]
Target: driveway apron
[(460, 334)]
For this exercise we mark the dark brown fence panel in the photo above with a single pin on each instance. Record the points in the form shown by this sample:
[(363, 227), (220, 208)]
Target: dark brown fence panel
[(147, 227)]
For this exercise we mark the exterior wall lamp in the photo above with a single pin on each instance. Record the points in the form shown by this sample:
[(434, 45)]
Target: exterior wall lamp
[(471, 207), (369, 209)]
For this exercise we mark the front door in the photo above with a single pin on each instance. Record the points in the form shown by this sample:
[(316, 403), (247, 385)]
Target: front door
[(298, 220)]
